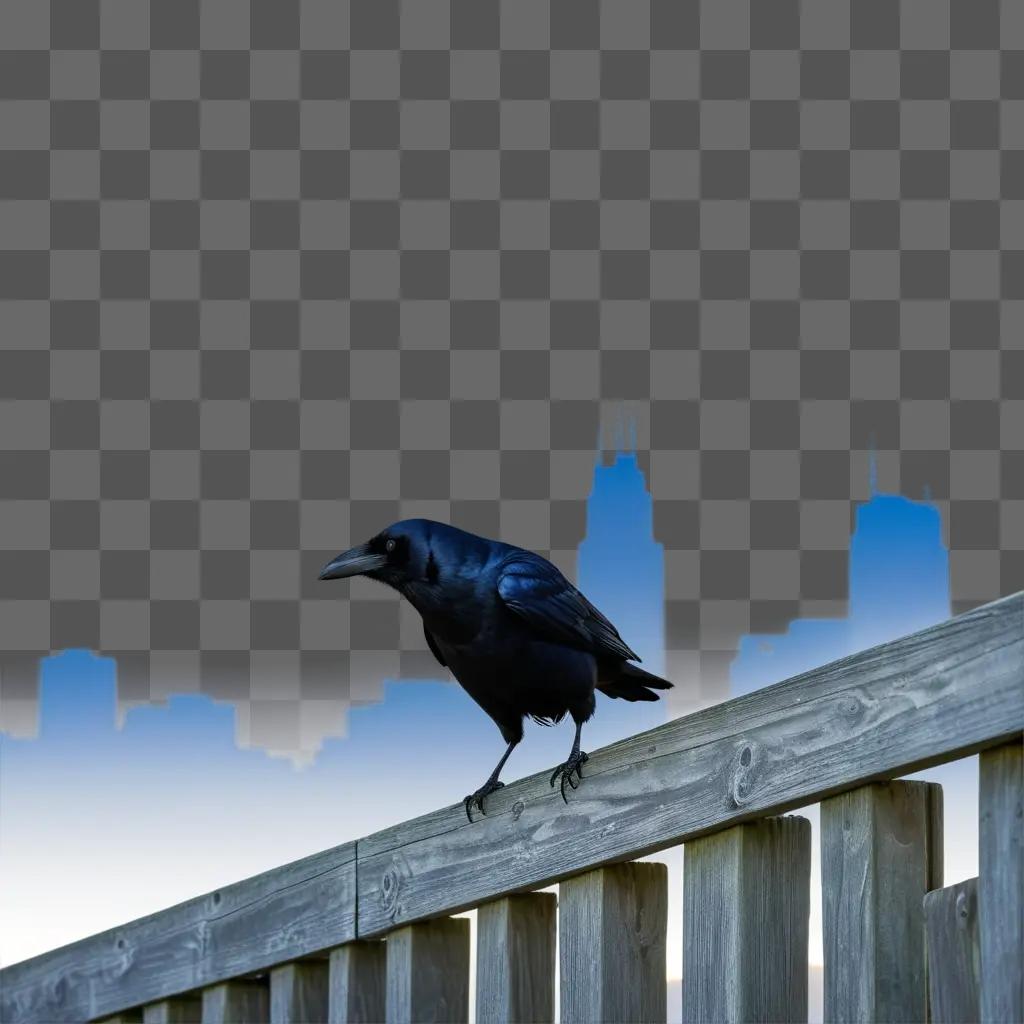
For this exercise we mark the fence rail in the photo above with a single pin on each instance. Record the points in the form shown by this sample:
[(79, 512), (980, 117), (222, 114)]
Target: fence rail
[(300, 940)]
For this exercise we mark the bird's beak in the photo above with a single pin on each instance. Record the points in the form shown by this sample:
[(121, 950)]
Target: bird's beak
[(355, 562)]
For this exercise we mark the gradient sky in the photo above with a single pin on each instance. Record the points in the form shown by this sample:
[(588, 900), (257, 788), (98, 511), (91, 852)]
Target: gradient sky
[(100, 825)]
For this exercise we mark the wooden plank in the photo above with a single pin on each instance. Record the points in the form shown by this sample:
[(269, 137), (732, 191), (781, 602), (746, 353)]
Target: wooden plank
[(237, 1002), (186, 1009), (746, 905), (298, 992), (428, 972), (515, 959), (1001, 883), (611, 936), (935, 867), (951, 926), (935, 819), (301, 908), (935, 696), (949, 691), (357, 973), (875, 871)]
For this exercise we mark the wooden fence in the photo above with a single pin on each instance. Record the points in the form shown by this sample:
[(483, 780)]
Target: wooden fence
[(364, 932)]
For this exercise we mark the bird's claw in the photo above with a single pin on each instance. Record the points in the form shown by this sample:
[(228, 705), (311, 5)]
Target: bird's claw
[(566, 772), (477, 798)]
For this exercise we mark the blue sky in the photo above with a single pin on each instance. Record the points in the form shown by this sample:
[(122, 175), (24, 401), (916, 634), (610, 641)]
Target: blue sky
[(100, 825)]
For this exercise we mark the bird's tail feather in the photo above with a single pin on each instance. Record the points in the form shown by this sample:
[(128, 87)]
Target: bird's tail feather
[(633, 683)]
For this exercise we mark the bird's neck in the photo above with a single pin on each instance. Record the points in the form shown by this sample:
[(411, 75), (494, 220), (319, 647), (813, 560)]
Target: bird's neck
[(450, 612)]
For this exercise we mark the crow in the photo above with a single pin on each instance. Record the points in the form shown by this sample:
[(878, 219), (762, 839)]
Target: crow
[(520, 639)]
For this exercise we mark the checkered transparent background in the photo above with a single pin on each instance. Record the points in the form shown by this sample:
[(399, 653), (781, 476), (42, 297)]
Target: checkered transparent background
[(276, 274)]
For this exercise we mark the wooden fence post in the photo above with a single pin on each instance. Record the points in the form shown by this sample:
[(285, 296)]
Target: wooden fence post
[(878, 859), (357, 975), (236, 1002), (515, 959), (428, 972), (1001, 883), (611, 927), (179, 1010), (951, 926), (746, 904), (298, 992)]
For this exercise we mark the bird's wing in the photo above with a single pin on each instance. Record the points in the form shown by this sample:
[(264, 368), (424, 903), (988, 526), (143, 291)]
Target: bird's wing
[(432, 644), (534, 589)]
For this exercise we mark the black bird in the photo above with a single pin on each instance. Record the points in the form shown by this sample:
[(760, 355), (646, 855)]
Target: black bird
[(516, 634)]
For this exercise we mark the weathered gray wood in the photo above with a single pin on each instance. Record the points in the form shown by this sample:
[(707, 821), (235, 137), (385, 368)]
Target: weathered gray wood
[(298, 993), (951, 926), (357, 983), (935, 819), (944, 693), (133, 1016), (180, 1010), (936, 860), (428, 972), (301, 908), (935, 867), (876, 866), (746, 905), (935, 696), (515, 959), (237, 1002), (611, 939), (1001, 883)]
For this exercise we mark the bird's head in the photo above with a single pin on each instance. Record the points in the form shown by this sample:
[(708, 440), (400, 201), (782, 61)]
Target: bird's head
[(403, 553)]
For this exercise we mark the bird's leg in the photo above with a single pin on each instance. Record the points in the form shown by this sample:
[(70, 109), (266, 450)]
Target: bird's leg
[(576, 758), (489, 786)]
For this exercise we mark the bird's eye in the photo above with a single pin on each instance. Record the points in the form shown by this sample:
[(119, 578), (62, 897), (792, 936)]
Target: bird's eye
[(390, 546)]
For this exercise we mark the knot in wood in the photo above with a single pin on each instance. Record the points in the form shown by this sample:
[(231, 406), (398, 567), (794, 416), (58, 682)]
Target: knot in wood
[(742, 782), (389, 886), (963, 909), (517, 809), (119, 963), (59, 990)]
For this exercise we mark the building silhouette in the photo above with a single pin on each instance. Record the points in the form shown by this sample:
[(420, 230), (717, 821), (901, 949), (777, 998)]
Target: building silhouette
[(898, 583)]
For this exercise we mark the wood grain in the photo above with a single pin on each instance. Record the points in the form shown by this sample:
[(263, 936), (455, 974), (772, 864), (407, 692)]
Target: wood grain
[(951, 926), (289, 912), (515, 959), (746, 905), (1001, 883), (180, 1010), (938, 695), (876, 845), (936, 864), (428, 972), (357, 983), (935, 696), (298, 993), (611, 935), (237, 1002)]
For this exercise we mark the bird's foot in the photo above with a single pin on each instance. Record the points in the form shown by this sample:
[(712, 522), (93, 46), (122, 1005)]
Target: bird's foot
[(566, 772), (477, 798)]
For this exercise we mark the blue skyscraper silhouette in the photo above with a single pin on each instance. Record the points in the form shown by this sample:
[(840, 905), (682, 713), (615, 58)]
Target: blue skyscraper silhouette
[(621, 565), (899, 583)]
